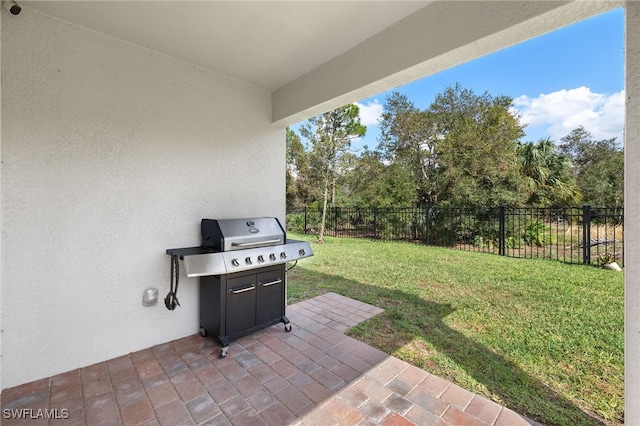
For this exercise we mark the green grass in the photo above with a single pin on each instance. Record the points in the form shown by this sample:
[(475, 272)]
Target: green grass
[(540, 337)]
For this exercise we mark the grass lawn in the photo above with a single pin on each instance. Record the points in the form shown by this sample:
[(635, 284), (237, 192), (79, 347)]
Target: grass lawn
[(540, 337)]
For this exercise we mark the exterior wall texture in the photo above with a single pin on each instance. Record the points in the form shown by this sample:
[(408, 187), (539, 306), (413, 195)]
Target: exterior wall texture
[(111, 154), (632, 212)]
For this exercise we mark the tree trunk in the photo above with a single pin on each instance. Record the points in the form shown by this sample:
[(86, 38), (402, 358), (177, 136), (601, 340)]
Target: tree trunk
[(324, 211), (333, 191)]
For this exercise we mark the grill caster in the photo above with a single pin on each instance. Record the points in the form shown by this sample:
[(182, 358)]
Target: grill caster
[(287, 323), (223, 352), (203, 332)]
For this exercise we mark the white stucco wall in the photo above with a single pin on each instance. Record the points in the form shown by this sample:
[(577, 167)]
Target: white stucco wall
[(111, 154), (631, 214), (0, 212)]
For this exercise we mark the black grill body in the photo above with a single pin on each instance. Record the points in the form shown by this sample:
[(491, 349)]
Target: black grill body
[(235, 305), (242, 268)]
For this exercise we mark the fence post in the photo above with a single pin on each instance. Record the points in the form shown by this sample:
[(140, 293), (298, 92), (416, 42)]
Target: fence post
[(501, 233), (305, 219), (586, 235), (375, 223), (426, 225)]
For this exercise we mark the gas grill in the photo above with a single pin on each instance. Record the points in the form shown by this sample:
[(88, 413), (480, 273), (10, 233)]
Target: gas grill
[(241, 265)]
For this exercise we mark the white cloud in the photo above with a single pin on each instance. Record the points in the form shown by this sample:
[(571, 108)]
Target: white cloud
[(370, 113), (600, 114)]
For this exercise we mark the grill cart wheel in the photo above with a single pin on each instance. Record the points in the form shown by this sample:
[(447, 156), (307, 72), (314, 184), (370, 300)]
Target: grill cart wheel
[(203, 332), (223, 352), (287, 323)]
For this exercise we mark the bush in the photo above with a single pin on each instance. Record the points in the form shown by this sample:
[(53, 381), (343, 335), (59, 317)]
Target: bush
[(483, 242), (295, 222), (513, 243), (537, 234), (478, 241)]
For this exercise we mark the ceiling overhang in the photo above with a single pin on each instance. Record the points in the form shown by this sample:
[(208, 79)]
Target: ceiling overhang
[(266, 44), (314, 56)]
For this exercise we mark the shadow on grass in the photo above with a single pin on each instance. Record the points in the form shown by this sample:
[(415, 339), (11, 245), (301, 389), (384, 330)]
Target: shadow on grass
[(409, 319)]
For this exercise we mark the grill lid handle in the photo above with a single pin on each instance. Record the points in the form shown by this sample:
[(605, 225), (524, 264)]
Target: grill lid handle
[(257, 243)]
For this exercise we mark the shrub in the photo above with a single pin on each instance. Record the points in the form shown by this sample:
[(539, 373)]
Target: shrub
[(478, 241), (606, 258), (537, 234), (513, 243), (295, 222)]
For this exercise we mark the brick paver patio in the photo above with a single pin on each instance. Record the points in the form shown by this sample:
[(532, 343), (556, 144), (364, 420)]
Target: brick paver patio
[(314, 375)]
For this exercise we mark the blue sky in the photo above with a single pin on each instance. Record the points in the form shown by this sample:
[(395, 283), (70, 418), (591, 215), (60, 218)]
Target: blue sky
[(570, 77)]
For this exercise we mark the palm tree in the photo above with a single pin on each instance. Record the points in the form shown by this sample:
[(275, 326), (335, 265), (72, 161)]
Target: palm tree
[(548, 180)]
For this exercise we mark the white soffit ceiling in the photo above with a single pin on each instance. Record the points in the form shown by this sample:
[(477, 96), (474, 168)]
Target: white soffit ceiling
[(264, 43)]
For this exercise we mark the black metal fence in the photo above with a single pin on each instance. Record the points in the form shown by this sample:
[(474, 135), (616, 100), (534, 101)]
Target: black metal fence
[(588, 235)]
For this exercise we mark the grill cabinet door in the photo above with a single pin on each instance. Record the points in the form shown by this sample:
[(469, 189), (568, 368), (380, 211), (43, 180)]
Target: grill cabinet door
[(271, 294), (241, 304)]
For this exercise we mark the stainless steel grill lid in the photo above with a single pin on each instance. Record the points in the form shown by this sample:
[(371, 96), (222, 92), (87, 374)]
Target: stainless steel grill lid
[(240, 234)]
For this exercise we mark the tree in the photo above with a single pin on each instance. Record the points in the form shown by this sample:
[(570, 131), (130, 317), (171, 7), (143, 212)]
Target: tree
[(477, 149), (548, 178), (299, 191), (374, 183), (461, 151), (330, 135), (408, 138), (598, 167)]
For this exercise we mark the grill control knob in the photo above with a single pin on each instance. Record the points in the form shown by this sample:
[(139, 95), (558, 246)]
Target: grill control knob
[(248, 261), (301, 252), (260, 259), (272, 257), (283, 255), (235, 262)]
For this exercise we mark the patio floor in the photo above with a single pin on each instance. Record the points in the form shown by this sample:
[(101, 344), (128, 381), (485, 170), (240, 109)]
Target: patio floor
[(314, 375)]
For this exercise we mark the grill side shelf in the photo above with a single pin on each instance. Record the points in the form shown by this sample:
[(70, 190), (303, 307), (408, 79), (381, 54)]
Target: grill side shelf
[(200, 261), (189, 251)]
